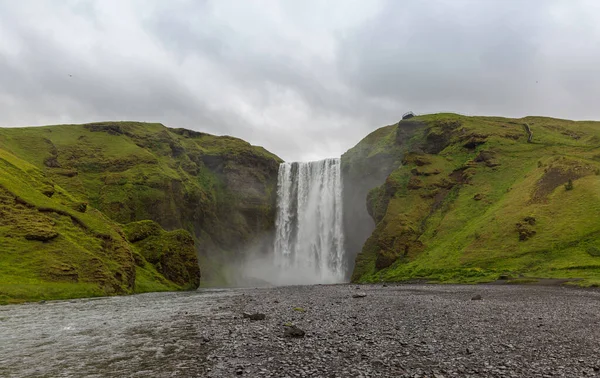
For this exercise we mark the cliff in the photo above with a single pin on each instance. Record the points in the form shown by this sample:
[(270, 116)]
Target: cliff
[(71, 192), (474, 199)]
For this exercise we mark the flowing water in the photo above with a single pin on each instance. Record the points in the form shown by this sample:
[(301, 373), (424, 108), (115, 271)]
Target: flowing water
[(147, 335), (309, 242)]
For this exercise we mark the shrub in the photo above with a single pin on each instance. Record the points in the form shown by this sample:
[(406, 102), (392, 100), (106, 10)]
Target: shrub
[(569, 185)]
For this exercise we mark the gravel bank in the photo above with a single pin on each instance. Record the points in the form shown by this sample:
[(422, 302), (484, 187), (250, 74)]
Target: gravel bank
[(393, 331)]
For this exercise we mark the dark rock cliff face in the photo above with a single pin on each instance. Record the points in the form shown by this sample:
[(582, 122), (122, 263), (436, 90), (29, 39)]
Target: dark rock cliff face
[(365, 167)]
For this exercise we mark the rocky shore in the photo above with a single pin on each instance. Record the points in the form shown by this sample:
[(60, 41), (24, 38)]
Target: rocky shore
[(311, 331)]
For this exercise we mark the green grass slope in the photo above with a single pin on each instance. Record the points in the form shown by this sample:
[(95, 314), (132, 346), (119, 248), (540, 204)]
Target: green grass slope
[(473, 200), (54, 246), (219, 189)]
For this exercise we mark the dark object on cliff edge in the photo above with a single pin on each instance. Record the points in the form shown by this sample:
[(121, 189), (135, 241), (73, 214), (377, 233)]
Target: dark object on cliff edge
[(408, 115), (256, 316), (293, 331)]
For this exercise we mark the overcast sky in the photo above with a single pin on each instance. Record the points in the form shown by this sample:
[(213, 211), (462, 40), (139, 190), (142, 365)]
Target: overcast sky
[(304, 79)]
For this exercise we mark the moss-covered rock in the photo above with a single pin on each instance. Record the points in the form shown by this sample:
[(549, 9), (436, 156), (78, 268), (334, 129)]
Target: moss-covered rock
[(171, 253)]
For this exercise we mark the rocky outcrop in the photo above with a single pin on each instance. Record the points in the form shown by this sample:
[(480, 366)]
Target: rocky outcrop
[(171, 253)]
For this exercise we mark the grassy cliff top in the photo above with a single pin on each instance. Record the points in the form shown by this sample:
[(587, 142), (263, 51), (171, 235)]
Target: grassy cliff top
[(118, 139)]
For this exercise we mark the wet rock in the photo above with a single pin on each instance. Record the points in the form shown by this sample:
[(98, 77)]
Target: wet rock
[(255, 316), (293, 331), (476, 298)]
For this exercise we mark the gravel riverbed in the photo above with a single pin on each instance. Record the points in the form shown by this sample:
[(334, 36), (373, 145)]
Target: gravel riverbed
[(386, 331)]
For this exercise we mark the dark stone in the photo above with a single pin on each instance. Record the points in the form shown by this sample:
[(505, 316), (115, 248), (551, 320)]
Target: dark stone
[(214, 162), (359, 295), (48, 192), (176, 149), (110, 128), (418, 172), (293, 331), (474, 142), (524, 230), (476, 298), (52, 162), (487, 158), (69, 173), (188, 133), (41, 235), (256, 316)]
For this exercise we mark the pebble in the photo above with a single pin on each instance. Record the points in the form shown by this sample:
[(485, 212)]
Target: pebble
[(400, 331)]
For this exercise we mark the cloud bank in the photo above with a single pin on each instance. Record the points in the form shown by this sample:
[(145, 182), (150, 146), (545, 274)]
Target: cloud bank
[(306, 80)]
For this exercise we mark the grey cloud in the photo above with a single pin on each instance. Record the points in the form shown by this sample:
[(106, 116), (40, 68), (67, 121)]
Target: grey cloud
[(305, 80), (471, 56)]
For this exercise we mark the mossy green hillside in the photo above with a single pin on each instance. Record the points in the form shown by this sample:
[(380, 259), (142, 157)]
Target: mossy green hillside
[(473, 200), (220, 189), (54, 246)]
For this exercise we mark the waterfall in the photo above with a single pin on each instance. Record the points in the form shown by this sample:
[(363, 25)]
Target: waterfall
[(309, 240)]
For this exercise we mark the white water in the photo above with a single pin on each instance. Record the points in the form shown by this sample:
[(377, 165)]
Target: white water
[(309, 240)]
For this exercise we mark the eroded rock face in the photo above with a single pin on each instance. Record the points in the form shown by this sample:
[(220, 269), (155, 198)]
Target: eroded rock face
[(364, 168)]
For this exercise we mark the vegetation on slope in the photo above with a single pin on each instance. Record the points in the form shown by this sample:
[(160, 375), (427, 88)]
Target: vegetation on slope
[(473, 201), (105, 175), (53, 246)]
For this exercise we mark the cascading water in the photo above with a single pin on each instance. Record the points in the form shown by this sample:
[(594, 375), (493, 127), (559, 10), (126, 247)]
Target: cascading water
[(309, 240)]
